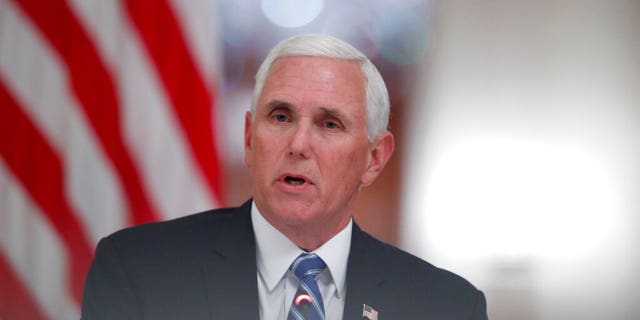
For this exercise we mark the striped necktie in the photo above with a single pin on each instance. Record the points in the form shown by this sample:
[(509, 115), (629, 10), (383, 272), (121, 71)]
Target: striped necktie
[(307, 303)]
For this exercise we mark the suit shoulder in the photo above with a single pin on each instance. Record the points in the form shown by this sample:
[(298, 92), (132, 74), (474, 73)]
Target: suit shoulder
[(419, 272), (436, 292), (194, 225)]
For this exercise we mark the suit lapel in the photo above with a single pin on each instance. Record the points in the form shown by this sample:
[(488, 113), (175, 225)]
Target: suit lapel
[(365, 277), (230, 270)]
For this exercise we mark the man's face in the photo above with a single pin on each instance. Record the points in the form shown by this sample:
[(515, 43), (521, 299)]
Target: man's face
[(307, 145)]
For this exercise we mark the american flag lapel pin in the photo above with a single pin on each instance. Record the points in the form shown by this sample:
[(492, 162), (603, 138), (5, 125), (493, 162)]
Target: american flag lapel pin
[(369, 313)]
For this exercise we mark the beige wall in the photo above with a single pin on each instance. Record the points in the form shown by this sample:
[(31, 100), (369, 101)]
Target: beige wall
[(522, 166)]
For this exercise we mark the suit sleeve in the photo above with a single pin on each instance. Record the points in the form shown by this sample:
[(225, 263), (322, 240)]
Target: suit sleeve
[(479, 311), (108, 292)]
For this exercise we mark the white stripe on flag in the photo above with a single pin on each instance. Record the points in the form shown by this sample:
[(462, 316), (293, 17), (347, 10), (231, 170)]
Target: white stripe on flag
[(158, 143), (38, 81), (155, 140), (34, 250)]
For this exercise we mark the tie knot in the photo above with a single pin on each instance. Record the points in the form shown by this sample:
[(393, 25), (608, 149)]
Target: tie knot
[(307, 264)]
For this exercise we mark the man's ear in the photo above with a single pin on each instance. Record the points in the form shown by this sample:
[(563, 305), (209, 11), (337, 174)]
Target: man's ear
[(247, 139), (379, 154)]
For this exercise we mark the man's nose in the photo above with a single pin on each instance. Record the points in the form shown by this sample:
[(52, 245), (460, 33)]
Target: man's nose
[(300, 144)]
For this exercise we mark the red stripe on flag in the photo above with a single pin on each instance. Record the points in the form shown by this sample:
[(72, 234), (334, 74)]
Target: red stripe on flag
[(36, 165), (192, 102), (95, 89), (15, 301)]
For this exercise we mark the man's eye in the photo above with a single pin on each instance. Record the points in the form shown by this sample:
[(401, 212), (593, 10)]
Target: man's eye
[(331, 125), (280, 117)]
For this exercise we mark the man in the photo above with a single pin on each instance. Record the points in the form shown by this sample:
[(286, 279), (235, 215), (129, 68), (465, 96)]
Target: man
[(316, 134)]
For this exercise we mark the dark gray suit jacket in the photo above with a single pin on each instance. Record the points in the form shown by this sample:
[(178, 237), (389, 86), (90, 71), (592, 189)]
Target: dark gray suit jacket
[(203, 266)]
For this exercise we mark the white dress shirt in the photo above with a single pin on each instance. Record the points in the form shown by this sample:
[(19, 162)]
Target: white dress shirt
[(277, 285)]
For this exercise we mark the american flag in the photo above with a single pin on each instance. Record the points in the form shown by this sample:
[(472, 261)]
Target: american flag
[(369, 313), (107, 119)]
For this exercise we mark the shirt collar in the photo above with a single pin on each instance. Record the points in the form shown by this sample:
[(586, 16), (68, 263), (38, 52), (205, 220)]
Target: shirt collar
[(275, 252)]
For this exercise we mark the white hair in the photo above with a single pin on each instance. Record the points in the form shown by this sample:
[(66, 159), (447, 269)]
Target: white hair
[(377, 104)]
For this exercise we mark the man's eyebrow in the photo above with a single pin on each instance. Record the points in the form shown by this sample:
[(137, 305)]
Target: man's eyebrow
[(278, 104), (334, 112)]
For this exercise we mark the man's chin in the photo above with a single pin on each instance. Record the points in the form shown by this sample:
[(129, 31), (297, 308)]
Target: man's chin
[(297, 217)]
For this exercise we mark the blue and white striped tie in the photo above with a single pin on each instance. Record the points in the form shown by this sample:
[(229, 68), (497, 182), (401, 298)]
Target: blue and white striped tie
[(307, 303)]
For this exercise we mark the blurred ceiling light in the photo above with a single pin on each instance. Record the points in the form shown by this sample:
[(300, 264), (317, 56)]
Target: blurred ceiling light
[(512, 199), (291, 13)]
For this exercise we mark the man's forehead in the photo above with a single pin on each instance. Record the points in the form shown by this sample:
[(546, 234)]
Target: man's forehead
[(329, 83)]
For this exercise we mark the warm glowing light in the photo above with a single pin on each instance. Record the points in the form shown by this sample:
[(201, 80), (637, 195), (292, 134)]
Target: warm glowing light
[(291, 13), (505, 198)]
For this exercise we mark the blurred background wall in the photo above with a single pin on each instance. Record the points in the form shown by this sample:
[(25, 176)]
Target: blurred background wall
[(517, 126), (522, 170)]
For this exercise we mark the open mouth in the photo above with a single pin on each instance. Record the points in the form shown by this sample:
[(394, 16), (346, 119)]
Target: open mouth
[(294, 180)]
